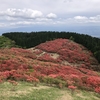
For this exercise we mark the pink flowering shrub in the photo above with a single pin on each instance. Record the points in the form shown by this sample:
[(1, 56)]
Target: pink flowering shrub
[(97, 90), (67, 50), (38, 66), (72, 87), (46, 57)]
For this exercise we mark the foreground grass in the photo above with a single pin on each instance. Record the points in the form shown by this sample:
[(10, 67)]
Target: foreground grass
[(86, 95), (26, 91)]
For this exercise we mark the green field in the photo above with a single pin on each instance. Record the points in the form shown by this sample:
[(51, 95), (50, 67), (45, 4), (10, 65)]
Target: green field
[(26, 91)]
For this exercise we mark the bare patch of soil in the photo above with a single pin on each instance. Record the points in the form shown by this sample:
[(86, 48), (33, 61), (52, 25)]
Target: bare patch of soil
[(54, 55)]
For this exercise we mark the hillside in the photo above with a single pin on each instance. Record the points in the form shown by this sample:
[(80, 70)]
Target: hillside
[(6, 42), (66, 52), (61, 63), (32, 39)]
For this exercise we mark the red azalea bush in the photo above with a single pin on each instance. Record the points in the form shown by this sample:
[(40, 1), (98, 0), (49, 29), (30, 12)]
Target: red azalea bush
[(47, 57), (93, 81), (72, 87), (52, 46), (97, 89), (67, 50), (18, 64), (72, 76)]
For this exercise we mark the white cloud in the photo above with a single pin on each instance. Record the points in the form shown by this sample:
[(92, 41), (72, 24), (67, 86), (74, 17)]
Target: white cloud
[(95, 19), (55, 6), (84, 19), (80, 17), (49, 12), (51, 15), (44, 21), (21, 13), (12, 14)]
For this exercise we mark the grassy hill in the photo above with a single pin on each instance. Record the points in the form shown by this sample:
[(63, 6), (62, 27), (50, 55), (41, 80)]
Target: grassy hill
[(60, 63), (6, 42)]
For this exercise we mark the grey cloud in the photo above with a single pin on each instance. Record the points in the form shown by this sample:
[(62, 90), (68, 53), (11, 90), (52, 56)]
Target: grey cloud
[(28, 14)]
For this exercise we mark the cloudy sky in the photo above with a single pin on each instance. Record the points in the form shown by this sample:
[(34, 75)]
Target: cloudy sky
[(82, 16)]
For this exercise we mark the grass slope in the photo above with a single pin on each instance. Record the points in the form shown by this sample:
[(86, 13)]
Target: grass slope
[(26, 91), (6, 42)]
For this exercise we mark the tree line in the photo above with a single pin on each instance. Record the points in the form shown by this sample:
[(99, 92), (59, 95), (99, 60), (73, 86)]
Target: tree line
[(28, 40)]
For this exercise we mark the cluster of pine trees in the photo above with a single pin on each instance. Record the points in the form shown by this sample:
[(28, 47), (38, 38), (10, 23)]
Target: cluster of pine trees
[(27, 40)]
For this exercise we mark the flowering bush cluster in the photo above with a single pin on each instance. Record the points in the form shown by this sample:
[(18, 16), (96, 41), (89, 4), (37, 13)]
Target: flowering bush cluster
[(68, 75), (47, 57), (52, 46), (94, 82), (67, 51), (36, 51), (22, 65)]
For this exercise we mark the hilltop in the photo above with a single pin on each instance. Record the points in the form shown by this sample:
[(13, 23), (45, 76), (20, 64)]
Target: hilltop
[(67, 52), (32, 39), (60, 62)]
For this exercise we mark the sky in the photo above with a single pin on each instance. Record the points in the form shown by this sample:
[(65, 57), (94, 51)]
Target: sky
[(81, 16)]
